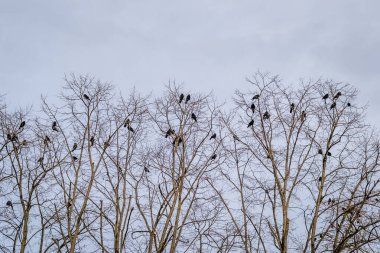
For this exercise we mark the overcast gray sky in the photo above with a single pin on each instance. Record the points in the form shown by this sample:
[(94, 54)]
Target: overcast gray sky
[(207, 45)]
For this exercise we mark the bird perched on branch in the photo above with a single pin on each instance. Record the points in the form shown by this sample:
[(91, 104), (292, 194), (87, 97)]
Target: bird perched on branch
[(74, 147), (187, 99), (320, 151), (181, 97), (92, 141), (253, 108), (54, 126), (213, 157), (9, 204), (333, 105), (338, 95), (194, 117), (85, 96), (348, 104), (326, 96), (250, 123), (303, 115), (131, 129), (291, 107), (127, 122), (22, 124), (169, 132), (255, 97), (213, 136), (266, 115)]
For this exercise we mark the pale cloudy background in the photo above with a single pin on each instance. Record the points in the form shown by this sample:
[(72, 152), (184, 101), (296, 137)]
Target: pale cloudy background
[(207, 45)]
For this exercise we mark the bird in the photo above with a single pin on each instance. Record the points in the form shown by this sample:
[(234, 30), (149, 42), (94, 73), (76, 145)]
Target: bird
[(9, 136), (329, 201), (250, 123), (178, 140), (333, 105), (348, 104), (303, 115), (22, 125), (213, 157), (338, 95), (255, 97), (9, 204), (328, 153), (106, 144), (127, 122), (320, 179), (54, 126), (74, 147), (253, 108), (169, 132), (131, 129), (235, 137), (194, 117), (326, 96), (146, 169), (320, 151), (291, 107), (213, 136), (92, 141), (40, 160), (75, 158), (86, 97), (266, 115), (181, 98), (187, 99)]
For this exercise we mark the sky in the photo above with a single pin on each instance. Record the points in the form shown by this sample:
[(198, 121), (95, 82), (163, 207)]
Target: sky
[(206, 45)]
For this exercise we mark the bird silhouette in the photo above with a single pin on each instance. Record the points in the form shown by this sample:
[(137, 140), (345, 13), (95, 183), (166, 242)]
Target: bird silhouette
[(146, 169), (213, 136), (320, 179), (169, 132), (235, 137), (75, 158), (328, 153), (250, 123), (291, 107), (54, 126), (266, 115), (255, 97), (213, 157), (303, 115), (187, 99), (9, 136), (333, 105), (9, 204), (348, 104), (74, 147), (326, 96), (22, 125), (92, 141), (86, 97), (253, 108), (320, 151), (127, 122), (194, 117), (181, 98), (338, 95), (40, 160), (131, 129)]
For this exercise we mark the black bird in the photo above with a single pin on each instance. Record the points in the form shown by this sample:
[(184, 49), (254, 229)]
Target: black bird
[(348, 104), (146, 169), (40, 160), (329, 201), (54, 126), (178, 140), (291, 107), (255, 97), (303, 115), (213, 157), (320, 151), (250, 123), (22, 125), (92, 141), (181, 98), (328, 153), (266, 115), (333, 105), (187, 99), (213, 136), (86, 97), (235, 137), (131, 129), (253, 108), (338, 95), (9, 204), (326, 96), (106, 144), (74, 147), (9, 136), (169, 132), (75, 158), (320, 179), (194, 117), (127, 122)]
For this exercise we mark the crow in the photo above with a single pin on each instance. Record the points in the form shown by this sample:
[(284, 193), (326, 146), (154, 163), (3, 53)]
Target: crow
[(326, 96), (194, 117), (338, 95), (146, 169), (86, 97), (320, 179), (22, 125), (9, 136), (92, 141), (75, 158), (131, 129), (126, 122), (250, 123), (348, 104), (74, 147), (54, 126), (320, 151), (291, 107), (303, 115), (9, 204), (169, 132), (328, 153), (333, 105), (213, 157), (187, 99), (213, 136), (181, 98), (266, 115), (253, 108), (255, 97)]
